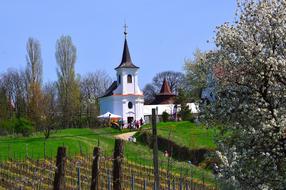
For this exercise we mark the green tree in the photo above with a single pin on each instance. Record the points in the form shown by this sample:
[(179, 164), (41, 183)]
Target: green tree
[(68, 84), (165, 116), (198, 73), (183, 99)]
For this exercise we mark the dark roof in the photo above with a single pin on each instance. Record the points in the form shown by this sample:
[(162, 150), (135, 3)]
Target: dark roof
[(165, 89), (165, 96), (126, 61), (110, 90)]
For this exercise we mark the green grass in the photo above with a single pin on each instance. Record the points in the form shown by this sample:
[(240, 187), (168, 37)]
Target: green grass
[(87, 139), (187, 134)]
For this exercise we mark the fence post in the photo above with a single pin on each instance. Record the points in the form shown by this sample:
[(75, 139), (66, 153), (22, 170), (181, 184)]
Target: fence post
[(45, 150), (155, 151), (80, 148), (203, 179), (59, 180), (181, 180), (27, 151), (95, 169), (78, 177), (132, 181), (108, 180), (145, 184), (169, 183), (117, 164), (187, 186), (174, 184)]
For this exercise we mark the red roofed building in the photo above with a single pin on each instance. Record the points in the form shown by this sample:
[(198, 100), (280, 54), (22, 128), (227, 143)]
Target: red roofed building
[(165, 96)]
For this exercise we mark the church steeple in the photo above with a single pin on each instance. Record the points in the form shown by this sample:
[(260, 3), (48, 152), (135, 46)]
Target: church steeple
[(126, 61), (165, 89)]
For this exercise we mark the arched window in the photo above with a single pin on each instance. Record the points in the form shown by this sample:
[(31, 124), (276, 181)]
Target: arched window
[(119, 79), (129, 79), (130, 105)]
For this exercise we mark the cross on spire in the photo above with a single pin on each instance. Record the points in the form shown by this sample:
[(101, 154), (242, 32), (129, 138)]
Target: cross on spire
[(125, 29)]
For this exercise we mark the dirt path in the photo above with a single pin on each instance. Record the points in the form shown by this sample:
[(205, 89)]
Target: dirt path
[(125, 136)]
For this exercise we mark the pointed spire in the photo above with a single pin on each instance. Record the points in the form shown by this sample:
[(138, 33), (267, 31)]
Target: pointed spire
[(126, 58), (165, 89), (126, 61)]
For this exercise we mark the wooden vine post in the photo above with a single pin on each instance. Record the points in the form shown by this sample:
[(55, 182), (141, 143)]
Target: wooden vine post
[(117, 164), (155, 151), (59, 180), (95, 169)]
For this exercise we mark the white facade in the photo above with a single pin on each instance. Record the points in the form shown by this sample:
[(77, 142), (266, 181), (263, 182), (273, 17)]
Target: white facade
[(169, 108), (124, 97)]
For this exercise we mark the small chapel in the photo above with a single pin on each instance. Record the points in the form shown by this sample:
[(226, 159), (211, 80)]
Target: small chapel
[(124, 97)]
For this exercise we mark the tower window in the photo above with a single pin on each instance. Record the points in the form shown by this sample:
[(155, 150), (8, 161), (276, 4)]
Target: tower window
[(130, 105), (119, 79), (129, 79)]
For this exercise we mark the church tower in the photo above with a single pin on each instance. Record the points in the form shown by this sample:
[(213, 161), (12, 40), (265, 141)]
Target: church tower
[(127, 74), (124, 96)]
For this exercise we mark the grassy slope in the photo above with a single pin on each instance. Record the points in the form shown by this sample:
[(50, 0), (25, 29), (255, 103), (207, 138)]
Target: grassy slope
[(73, 139), (187, 134)]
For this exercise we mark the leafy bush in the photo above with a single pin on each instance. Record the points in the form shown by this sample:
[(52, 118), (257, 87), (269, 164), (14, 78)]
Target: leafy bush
[(186, 115), (23, 126), (165, 116), (16, 125), (5, 128)]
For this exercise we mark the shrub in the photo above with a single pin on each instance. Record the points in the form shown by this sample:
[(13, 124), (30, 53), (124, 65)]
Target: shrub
[(186, 115), (23, 126), (165, 116), (5, 128), (16, 125)]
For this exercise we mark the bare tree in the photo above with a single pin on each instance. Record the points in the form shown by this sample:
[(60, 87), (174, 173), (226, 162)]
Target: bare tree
[(34, 80), (4, 103), (13, 84), (93, 85), (68, 85), (149, 93), (50, 111), (176, 81)]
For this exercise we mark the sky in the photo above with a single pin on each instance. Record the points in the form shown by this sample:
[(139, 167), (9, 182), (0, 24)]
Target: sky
[(162, 34)]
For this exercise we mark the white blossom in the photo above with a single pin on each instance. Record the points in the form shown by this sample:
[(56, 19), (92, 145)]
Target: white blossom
[(251, 95)]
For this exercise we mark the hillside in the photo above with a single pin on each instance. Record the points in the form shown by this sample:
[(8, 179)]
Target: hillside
[(191, 135), (84, 140)]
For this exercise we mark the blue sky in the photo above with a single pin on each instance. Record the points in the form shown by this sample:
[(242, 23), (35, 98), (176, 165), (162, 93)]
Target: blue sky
[(161, 33)]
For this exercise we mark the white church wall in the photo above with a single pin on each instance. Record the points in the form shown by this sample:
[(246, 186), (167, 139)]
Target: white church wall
[(117, 105), (193, 107), (139, 108), (161, 108), (169, 108), (105, 105)]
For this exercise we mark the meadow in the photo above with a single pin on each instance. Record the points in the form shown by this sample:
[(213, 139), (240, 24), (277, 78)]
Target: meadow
[(83, 140)]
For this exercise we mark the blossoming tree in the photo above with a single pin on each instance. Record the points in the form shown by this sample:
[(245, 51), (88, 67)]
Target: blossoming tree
[(250, 71)]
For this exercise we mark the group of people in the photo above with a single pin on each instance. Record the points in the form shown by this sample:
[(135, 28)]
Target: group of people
[(131, 125), (135, 124)]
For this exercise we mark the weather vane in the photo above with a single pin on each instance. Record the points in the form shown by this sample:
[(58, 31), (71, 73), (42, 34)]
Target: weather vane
[(125, 29)]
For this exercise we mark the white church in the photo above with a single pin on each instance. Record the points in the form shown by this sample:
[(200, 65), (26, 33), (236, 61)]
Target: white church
[(124, 97)]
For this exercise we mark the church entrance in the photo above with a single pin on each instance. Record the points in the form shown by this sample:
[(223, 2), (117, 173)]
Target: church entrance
[(129, 119)]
